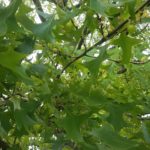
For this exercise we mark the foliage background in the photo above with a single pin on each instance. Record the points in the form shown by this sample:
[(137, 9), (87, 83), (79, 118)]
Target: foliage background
[(74, 75)]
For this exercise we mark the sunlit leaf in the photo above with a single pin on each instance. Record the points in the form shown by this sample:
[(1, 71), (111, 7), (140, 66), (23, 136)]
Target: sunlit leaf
[(126, 43)]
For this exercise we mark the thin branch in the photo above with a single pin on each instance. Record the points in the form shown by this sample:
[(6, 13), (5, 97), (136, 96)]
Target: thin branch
[(104, 39), (142, 30), (140, 62), (132, 62), (101, 28), (116, 61), (39, 7), (81, 41)]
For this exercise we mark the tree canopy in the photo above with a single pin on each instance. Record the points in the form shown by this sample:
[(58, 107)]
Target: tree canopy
[(75, 75)]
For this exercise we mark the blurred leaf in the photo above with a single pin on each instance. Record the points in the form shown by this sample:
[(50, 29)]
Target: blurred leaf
[(3, 133), (5, 13), (12, 60), (72, 125), (94, 64), (42, 30), (3, 28), (23, 120), (37, 70), (93, 97), (126, 43), (5, 120), (16, 103), (131, 8), (26, 46), (107, 135), (116, 112)]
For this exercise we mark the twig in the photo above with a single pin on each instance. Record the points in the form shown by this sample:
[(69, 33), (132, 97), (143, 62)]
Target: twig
[(101, 24), (39, 7), (104, 39), (132, 62), (140, 62), (81, 41)]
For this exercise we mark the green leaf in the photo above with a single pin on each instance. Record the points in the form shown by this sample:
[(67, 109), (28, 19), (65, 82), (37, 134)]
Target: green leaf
[(3, 28), (113, 11), (94, 97), (126, 43), (3, 133), (26, 46), (23, 120), (12, 24), (98, 6), (12, 60), (5, 120), (109, 137), (94, 65), (72, 125), (91, 96), (38, 70), (5, 13), (145, 132), (42, 30), (16, 103), (116, 112), (131, 8)]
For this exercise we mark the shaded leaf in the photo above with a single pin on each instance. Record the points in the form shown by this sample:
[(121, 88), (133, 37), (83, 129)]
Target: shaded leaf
[(42, 30), (72, 125), (107, 135), (23, 120), (26, 45), (116, 112), (5, 13), (94, 64), (12, 60), (3, 133), (16, 103)]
